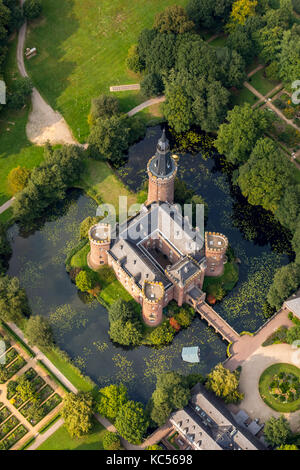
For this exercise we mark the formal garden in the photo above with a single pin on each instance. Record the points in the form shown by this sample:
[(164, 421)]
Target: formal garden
[(279, 387), (27, 395)]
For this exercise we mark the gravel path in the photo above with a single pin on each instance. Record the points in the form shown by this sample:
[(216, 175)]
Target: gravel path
[(44, 123)]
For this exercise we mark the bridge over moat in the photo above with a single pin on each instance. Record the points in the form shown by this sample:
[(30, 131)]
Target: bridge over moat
[(217, 322)]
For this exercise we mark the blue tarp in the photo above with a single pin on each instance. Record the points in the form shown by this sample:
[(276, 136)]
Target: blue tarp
[(191, 354)]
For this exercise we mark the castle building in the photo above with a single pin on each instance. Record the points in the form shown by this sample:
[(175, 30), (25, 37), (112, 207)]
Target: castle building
[(157, 255)]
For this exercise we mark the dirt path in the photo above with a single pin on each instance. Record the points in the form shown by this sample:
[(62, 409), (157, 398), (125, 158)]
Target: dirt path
[(44, 124), (6, 205)]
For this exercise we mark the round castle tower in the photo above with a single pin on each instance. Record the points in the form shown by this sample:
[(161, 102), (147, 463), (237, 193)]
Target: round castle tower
[(216, 245), (99, 236), (162, 170), (153, 299)]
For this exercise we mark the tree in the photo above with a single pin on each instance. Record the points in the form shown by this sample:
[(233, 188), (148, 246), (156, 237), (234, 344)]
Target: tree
[(237, 137), (32, 9), (17, 179), (128, 333), (286, 282), (5, 249), (161, 54), (85, 281), (177, 108), (13, 300), (289, 58), (132, 422), (111, 399), (264, 176), (224, 384), (152, 85), (133, 61), (289, 207), (296, 241), (111, 441), (121, 310), (154, 447), (25, 389), (171, 393), (162, 334), (208, 14), (210, 105), (241, 10), (38, 332), (18, 95), (240, 40), (77, 412), (103, 107), (173, 20), (109, 137), (269, 42), (277, 431)]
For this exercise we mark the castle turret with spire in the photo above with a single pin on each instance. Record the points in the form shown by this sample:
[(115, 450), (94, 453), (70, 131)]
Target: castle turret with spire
[(162, 170)]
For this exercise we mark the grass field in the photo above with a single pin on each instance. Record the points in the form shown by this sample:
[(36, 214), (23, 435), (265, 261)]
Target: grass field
[(61, 440), (243, 96), (15, 149), (264, 383), (227, 281), (219, 42), (262, 84), (100, 182), (82, 47)]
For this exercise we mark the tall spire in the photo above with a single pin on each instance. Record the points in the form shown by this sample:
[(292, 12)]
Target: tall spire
[(162, 164)]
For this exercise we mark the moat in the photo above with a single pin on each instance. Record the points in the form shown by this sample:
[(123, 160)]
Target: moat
[(81, 329)]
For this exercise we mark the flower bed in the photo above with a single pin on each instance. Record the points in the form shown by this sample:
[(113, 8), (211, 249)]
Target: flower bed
[(10, 356), (44, 393), (279, 387), (52, 403), (16, 366), (14, 437), (8, 426), (4, 414)]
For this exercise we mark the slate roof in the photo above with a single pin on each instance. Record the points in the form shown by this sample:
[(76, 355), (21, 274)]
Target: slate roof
[(158, 220), (162, 165)]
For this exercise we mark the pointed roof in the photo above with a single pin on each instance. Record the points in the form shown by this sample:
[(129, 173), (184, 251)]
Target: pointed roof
[(162, 164)]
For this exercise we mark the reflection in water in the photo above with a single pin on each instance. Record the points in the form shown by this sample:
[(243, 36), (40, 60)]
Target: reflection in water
[(81, 328)]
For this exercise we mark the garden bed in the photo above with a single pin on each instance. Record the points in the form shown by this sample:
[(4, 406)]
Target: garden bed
[(8, 426), (14, 437), (279, 387)]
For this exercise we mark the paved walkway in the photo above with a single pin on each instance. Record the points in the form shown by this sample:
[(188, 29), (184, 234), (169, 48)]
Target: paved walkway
[(146, 104), (246, 345), (259, 67), (270, 104), (6, 205), (43, 437)]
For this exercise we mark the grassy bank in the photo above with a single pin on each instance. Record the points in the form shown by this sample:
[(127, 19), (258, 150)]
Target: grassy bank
[(61, 440), (82, 47)]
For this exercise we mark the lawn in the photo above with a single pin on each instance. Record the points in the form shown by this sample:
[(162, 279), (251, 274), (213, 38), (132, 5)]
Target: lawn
[(70, 371), (262, 84), (219, 42), (61, 440), (244, 95), (82, 47), (266, 380), (15, 149), (99, 181), (227, 281)]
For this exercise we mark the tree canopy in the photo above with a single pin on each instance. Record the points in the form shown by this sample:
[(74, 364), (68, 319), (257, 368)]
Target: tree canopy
[(13, 300), (286, 281), (132, 422), (38, 332), (224, 384), (77, 412), (111, 399), (277, 431)]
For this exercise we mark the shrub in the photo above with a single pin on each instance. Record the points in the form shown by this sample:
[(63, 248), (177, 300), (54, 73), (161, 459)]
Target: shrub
[(86, 281), (17, 179), (152, 85), (105, 106), (20, 91), (133, 61), (111, 441)]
